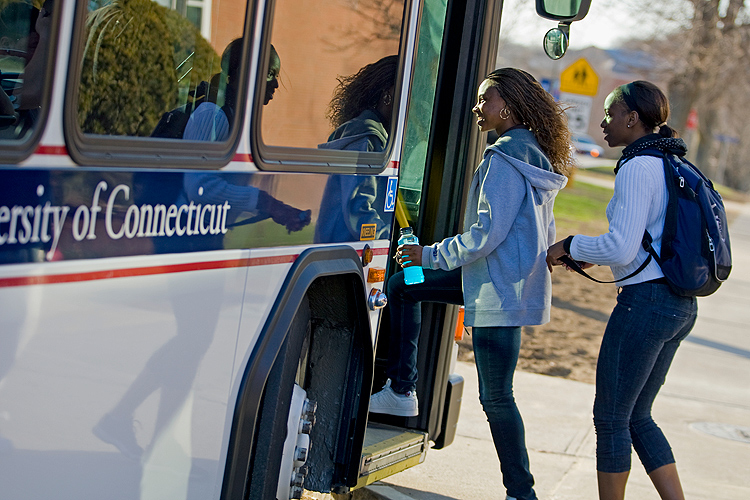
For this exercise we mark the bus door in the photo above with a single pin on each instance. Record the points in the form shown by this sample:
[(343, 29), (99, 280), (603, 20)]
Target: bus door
[(456, 45)]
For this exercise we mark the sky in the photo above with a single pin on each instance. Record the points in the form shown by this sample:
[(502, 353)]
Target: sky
[(605, 25)]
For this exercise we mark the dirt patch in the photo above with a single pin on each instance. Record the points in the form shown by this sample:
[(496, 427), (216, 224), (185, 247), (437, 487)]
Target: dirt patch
[(568, 345)]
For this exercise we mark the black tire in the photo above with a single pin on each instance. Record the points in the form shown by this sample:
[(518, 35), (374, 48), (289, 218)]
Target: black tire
[(270, 432)]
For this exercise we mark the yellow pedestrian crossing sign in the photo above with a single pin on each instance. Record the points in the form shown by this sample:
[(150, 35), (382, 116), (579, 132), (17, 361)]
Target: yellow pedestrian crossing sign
[(579, 78)]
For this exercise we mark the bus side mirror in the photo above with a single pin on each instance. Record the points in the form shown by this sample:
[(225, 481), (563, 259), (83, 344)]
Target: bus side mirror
[(556, 41), (563, 10)]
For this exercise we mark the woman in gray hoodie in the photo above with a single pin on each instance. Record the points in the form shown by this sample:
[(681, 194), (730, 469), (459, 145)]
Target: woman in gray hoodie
[(496, 267)]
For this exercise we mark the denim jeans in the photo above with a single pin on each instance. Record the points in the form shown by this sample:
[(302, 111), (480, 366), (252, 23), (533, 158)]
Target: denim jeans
[(640, 341), (406, 320), (495, 353)]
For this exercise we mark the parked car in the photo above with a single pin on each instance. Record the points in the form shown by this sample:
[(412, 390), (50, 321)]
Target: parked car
[(585, 144)]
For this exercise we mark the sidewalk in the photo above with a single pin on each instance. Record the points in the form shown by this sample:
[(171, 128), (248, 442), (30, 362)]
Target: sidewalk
[(704, 409)]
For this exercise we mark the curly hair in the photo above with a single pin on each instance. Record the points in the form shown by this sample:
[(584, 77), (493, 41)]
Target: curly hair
[(361, 91), (536, 108)]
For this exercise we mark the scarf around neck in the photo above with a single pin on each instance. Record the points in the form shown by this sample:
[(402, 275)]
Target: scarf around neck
[(668, 145)]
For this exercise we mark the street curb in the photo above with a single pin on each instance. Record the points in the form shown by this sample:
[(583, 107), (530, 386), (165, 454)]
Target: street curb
[(379, 492)]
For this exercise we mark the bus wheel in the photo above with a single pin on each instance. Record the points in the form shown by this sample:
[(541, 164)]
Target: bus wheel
[(293, 470), (282, 435)]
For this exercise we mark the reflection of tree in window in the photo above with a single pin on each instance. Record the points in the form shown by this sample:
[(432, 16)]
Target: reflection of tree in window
[(140, 60), (381, 20)]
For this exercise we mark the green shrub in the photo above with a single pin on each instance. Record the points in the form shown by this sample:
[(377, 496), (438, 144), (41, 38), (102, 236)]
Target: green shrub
[(128, 75)]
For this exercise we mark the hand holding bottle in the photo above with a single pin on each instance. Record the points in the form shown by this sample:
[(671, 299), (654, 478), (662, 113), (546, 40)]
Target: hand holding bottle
[(409, 256)]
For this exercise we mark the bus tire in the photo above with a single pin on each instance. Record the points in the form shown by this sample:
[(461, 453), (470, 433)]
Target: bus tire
[(273, 413)]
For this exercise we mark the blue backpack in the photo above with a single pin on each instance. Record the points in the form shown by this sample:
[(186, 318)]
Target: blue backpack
[(695, 257)]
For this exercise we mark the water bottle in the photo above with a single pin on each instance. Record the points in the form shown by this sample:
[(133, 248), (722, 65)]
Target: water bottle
[(412, 274)]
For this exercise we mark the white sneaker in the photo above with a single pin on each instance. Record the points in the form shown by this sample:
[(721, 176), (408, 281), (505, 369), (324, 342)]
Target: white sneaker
[(392, 403)]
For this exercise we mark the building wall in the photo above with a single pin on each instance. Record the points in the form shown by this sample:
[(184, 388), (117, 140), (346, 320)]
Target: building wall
[(317, 41)]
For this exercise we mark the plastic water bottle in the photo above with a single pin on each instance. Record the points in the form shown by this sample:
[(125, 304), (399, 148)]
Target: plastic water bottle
[(412, 274)]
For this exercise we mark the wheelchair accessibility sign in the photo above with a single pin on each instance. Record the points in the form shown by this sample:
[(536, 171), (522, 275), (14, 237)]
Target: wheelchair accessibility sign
[(390, 195)]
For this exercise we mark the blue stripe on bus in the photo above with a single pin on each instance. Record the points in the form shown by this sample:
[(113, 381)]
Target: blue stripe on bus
[(84, 214)]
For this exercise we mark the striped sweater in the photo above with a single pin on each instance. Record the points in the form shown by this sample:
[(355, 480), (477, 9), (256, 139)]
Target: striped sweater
[(639, 203)]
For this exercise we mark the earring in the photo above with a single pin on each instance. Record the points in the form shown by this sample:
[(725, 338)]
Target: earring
[(387, 99), (628, 125), (504, 113)]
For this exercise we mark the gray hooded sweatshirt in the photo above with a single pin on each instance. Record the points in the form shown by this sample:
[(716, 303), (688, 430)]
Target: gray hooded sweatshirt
[(508, 227), (348, 199)]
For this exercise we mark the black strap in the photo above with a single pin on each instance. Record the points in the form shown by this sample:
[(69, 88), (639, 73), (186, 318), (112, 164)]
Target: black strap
[(646, 243)]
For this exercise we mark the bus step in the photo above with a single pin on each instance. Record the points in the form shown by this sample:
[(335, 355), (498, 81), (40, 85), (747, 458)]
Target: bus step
[(389, 450)]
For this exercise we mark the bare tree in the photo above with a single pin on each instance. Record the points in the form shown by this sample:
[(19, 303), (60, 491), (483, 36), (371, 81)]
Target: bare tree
[(711, 74), (704, 48)]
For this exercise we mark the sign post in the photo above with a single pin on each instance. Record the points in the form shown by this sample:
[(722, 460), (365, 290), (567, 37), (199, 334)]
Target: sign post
[(578, 109), (578, 84)]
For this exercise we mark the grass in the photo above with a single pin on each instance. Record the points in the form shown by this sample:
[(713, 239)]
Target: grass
[(726, 192), (580, 208), (602, 171), (267, 233), (582, 202), (730, 194)]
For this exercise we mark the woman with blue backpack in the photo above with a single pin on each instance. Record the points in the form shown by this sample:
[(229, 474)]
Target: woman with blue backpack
[(650, 320)]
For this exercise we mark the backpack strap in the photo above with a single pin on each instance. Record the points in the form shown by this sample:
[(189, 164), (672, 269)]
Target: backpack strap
[(645, 243)]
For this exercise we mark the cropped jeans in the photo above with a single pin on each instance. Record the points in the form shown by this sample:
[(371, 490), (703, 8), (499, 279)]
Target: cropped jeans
[(640, 341), (495, 354)]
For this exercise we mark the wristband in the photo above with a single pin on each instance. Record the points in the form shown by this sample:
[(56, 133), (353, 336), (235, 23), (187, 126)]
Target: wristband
[(566, 244)]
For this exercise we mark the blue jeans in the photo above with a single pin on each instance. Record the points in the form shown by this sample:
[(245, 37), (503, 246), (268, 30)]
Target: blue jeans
[(640, 341), (495, 353), (406, 320)]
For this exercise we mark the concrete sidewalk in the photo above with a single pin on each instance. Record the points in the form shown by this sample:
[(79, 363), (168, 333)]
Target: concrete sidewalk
[(704, 409)]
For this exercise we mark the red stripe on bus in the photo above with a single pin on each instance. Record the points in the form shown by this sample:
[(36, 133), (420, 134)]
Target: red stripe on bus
[(145, 271), (243, 157), (376, 251), (51, 150)]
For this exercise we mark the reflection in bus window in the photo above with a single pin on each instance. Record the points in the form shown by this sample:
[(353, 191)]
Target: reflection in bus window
[(143, 61), (25, 33), (211, 121), (361, 111), (319, 41)]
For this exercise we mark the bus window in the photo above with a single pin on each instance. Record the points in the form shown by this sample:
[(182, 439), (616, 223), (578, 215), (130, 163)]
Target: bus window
[(25, 40), (321, 47), (148, 66), (418, 123)]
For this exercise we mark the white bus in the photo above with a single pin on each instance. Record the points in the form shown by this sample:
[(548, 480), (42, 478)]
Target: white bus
[(191, 304)]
